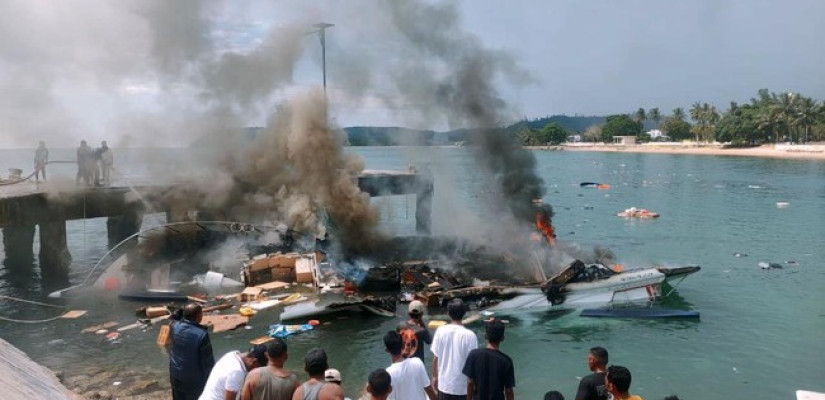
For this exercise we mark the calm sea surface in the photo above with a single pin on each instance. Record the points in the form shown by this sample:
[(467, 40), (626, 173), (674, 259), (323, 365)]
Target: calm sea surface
[(761, 334)]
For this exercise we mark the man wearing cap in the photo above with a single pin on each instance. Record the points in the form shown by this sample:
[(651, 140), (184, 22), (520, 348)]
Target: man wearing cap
[(332, 375), (226, 379), (316, 387), (490, 373), (416, 323), (273, 381), (452, 344)]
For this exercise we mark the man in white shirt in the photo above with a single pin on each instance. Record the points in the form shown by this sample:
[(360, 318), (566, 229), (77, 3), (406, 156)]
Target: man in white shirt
[(409, 375), (226, 379), (451, 345)]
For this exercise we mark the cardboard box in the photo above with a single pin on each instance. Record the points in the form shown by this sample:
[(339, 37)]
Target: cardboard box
[(282, 274), (275, 285), (303, 271), (251, 293), (279, 260), (258, 263), (256, 277)]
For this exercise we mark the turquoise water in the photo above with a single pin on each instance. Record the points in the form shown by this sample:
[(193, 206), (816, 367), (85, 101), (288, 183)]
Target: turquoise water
[(760, 334)]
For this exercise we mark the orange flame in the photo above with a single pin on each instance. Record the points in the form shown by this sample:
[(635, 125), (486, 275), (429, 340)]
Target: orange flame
[(544, 226)]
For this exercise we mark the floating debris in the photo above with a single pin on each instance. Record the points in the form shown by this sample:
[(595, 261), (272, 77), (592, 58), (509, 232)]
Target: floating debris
[(766, 265), (73, 314), (634, 212), (104, 327), (282, 331)]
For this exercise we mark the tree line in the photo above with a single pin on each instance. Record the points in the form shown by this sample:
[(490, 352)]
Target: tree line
[(767, 118)]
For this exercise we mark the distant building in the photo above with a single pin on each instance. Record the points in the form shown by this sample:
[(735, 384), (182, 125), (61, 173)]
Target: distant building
[(574, 138), (656, 134), (624, 140)]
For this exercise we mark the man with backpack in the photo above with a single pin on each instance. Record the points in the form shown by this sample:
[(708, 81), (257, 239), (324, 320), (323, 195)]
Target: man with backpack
[(414, 332), (409, 375)]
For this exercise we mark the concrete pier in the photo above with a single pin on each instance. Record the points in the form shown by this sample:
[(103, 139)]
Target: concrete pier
[(24, 205), (387, 182), (17, 243), (120, 227), (55, 258), (22, 378)]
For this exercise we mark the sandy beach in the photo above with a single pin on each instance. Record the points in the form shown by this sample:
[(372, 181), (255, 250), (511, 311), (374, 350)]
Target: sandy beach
[(811, 151)]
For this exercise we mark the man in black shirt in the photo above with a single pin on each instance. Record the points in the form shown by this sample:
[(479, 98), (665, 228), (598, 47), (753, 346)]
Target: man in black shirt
[(592, 386), (490, 373)]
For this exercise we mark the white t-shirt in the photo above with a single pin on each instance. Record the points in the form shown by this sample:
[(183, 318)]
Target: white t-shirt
[(227, 374), (409, 378), (451, 344)]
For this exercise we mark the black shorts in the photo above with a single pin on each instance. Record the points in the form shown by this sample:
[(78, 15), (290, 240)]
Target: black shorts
[(445, 396)]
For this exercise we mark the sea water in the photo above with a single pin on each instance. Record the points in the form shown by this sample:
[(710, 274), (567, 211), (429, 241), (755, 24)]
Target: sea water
[(760, 334)]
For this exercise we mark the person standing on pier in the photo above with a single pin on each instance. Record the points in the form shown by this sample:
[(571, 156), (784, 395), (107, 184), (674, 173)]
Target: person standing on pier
[(106, 161), (190, 356), (84, 158), (41, 158)]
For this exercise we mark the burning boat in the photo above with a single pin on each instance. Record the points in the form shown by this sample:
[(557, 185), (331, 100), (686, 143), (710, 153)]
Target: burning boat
[(171, 262), (582, 286), (326, 293)]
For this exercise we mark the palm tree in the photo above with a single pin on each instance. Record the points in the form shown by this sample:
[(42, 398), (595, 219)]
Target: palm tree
[(679, 113), (655, 116), (698, 115), (770, 120), (640, 116), (806, 114), (785, 106), (713, 117)]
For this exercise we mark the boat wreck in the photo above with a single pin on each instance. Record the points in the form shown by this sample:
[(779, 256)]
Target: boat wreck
[(264, 268)]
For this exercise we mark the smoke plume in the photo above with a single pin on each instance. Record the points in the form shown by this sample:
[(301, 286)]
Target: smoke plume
[(184, 81)]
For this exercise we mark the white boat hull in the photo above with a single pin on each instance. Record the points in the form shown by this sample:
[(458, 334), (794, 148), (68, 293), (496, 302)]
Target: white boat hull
[(631, 287)]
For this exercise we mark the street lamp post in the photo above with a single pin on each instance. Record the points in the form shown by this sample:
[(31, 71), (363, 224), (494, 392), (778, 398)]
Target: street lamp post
[(322, 28)]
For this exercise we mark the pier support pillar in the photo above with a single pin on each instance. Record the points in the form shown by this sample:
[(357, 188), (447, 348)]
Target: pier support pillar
[(122, 226), (423, 208), (55, 259), (17, 244)]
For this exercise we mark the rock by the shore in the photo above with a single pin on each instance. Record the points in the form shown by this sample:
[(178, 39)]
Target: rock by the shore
[(122, 384)]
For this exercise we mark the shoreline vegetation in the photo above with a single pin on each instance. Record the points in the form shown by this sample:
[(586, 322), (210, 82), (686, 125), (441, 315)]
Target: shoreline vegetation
[(787, 151)]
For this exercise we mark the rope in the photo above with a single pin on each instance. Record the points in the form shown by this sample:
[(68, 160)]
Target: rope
[(21, 180), (31, 321), (37, 303)]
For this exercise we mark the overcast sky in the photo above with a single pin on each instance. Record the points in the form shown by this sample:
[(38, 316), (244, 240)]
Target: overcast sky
[(80, 69)]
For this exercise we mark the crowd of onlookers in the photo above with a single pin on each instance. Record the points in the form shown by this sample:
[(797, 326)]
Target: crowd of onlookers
[(459, 368)]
